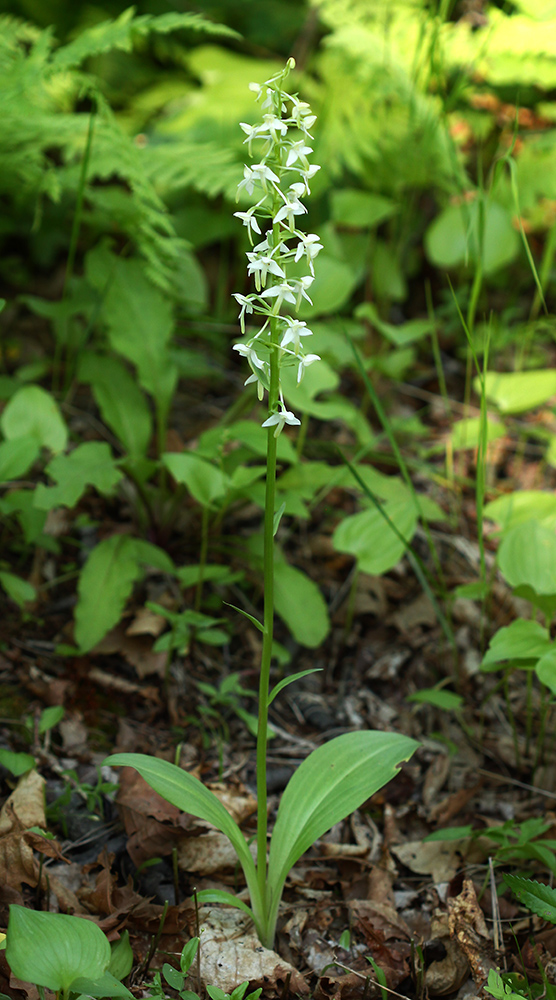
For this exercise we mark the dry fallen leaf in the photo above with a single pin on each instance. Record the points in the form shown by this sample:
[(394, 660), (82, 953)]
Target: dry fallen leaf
[(446, 974), (232, 953), (468, 927)]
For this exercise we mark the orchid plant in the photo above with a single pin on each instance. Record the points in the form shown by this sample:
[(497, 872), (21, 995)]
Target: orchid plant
[(340, 775)]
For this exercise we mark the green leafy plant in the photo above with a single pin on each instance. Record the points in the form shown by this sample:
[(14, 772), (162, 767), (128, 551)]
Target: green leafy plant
[(175, 978), (337, 777), (69, 955)]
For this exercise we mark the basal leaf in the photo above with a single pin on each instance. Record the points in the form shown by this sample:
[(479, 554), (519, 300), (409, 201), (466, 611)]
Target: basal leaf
[(52, 949), (330, 783), (190, 795), (453, 238), (90, 464), (536, 896), (105, 985), (220, 896), (33, 412)]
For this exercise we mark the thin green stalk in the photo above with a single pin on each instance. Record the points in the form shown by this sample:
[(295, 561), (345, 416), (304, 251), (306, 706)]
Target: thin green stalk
[(268, 619)]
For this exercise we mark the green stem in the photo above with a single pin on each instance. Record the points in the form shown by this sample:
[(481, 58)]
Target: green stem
[(268, 619)]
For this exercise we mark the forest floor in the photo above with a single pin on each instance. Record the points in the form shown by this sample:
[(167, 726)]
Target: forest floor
[(427, 912)]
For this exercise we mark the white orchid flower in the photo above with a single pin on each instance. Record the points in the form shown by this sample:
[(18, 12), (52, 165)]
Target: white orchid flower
[(283, 417), (309, 247), (295, 329), (304, 363)]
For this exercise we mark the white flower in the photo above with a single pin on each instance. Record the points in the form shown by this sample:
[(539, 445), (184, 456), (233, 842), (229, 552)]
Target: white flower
[(301, 114), (309, 246), (304, 363), (273, 125), (257, 174), (281, 418), (260, 267), (292, 206), (283, 292), (300, 286), (307, 175), (250, 353), (299, 151), (295, 329), (249, 220), (260, 386), (246, 303)]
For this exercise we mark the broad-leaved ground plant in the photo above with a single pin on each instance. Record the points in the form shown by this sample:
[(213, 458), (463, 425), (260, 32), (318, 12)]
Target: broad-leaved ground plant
[(337, 777)]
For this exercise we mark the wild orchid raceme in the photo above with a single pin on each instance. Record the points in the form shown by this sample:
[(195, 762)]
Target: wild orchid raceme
[(340, 775)]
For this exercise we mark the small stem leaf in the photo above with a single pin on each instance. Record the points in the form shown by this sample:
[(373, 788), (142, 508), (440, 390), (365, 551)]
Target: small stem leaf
[(278, 517), (53, 949), (254, 621), (219, 896), (189, 794), (330, 783), (536, 896), (289, 680)]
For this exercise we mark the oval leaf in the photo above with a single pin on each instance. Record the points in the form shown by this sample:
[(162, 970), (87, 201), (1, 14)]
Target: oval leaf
[(522, 640), (105, 584), (300, 604), (33, 412), (527, 557), (52, 949), (369, 537), (204, 481)]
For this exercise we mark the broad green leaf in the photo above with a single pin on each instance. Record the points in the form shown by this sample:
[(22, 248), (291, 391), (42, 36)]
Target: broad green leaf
[(33, 412), (527, 557), (52, 949), (360, 209), (522, 505), (515, 392), (333, 781), (522, 640), (190, 795), (16, 763), (105, 985), (174, 978), (140, 324), (400, 335), (105, 583), (122, 405), (537, 897), (91, 464), (333, 285), (449, 701), (290, 680), (452, 239), (546, 670), (372, 541), (204, 481), (17, 457), (299, 602), (467, 433), (19, 590), (32, 521)]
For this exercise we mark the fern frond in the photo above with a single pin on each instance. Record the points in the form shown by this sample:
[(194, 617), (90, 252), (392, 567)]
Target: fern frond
[(125, 30)]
